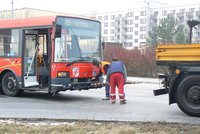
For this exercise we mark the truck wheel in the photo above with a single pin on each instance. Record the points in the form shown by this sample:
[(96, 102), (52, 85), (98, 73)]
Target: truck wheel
[(188, 95), (9, 84)]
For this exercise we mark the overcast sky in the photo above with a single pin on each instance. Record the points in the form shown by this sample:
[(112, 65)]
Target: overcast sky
[(83, 6)]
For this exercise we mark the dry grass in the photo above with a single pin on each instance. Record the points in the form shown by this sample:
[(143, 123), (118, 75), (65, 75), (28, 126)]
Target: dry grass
[(89, 127)]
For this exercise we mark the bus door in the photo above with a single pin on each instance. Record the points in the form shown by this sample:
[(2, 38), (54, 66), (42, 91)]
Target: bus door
[(31, 47)]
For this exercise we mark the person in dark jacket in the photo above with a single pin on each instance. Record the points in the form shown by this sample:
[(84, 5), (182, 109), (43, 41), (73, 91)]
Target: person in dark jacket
[(107, 87), (116, 77)]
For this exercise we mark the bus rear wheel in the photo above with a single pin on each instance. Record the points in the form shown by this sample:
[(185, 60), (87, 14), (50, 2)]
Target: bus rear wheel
[(9, 85), (188, 95)]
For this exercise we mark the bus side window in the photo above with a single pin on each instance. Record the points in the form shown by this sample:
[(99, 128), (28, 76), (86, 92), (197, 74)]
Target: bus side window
[(9, 42)]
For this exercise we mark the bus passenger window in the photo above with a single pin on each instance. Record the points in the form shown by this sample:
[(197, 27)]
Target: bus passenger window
[(9, 42)]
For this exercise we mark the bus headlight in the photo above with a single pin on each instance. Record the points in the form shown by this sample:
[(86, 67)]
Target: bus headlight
[(63, 74)]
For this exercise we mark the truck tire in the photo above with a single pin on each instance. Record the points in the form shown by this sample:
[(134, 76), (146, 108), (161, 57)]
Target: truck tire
[(9, 84), (188, 95)]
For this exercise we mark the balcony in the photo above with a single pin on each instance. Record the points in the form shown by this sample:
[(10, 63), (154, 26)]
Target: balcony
[(154, 16), (197, 13), (117, 24), (189, 14), (171, 14), (180, 14), (117, 32)]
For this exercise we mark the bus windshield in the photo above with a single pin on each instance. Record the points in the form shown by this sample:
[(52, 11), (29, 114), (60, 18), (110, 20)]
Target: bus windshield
[(80, 40)]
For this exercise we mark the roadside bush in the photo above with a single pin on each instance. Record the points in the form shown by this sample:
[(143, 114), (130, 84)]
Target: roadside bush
[(138, 64)]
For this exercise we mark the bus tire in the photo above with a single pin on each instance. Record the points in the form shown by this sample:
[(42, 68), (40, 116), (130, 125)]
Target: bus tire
[(188, 95), (9, 84)]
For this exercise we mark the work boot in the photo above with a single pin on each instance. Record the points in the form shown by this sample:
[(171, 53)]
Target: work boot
[(106, 98), (123, 102), (112, 101)]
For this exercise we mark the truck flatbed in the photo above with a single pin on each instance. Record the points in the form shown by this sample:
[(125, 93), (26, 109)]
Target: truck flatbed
[(178, 55)]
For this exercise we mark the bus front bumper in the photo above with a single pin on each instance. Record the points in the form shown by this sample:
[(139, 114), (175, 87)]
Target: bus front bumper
[(61, 84)]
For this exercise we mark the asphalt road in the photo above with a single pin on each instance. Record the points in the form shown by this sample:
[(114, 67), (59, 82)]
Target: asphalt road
[(141, 105)]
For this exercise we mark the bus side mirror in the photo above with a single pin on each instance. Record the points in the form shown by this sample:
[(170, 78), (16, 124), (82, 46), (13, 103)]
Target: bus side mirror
[(58, 31)]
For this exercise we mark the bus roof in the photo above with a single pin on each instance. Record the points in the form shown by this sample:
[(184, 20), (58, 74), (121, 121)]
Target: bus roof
[(33, 21), (27, 22)]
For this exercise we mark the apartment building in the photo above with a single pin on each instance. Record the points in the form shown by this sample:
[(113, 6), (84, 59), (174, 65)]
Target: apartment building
[(131, 27), (117, 27), (27, 12), (182, 13)]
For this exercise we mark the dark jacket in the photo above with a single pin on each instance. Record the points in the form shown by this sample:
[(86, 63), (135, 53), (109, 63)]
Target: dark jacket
[(117, 66)]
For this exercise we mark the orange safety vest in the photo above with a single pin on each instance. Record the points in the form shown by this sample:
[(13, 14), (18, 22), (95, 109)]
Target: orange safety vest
[(103, 63)]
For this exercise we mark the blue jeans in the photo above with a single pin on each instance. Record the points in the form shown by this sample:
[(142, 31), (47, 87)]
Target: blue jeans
[(107, 90)]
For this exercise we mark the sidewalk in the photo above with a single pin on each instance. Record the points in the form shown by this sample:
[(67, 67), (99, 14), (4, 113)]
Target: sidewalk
[(144, 80)]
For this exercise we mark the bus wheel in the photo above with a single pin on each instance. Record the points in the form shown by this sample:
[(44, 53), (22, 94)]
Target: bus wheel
[(188, 95), (9, 84)]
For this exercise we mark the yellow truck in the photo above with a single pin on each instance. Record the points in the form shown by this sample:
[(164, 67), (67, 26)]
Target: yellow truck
[(182, 81)]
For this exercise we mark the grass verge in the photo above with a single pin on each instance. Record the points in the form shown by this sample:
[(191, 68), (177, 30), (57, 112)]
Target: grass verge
[(92, 127)]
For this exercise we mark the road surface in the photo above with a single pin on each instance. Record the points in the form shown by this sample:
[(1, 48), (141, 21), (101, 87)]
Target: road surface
[(141, 105)]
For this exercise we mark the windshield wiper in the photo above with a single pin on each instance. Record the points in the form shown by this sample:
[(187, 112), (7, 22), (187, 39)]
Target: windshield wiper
[(75, 61), (84, 59)]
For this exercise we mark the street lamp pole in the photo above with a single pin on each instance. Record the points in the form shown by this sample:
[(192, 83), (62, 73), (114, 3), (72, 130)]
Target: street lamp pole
[(12, 3)]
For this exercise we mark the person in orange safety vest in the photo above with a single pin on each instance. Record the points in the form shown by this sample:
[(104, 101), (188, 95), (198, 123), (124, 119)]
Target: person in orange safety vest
[(104, 68)]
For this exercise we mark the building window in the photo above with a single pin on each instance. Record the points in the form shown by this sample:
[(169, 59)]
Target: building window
[(125, 36), (143, 13), (130, 14), (155, 13), (130, 37), (105, 38), (119, 15), (191, 10), (142, 28), (136, 40), (128, 44), (130, 29), (99, 18), (112, 38), (190, 18), (136, 25), (112, 17), (181, 19), (9, 43), (118, 30), (164, 13), (125, 44), (198, 26), (136, 17), (112, 23), (182, 10), (142, 36), (124, 29), (130, 21), (142, 21), (173, 11), (106, 24), (106, 31), (106, 17), (124, 22), (112, 31), (117, 22), (136, 32)]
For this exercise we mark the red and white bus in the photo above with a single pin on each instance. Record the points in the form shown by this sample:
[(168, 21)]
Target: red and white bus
[(53, 53)]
